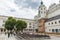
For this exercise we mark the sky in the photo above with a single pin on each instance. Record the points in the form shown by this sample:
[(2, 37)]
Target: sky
[(22, 8)]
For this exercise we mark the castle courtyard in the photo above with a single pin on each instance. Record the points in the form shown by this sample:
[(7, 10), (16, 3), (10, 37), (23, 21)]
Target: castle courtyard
[(5, 37)]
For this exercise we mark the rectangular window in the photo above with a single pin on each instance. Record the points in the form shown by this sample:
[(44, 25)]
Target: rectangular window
[(30, 29), (49, 29), (29, 23), (56, 30), (3, 25), (52, 22), (29, 26), (3, 20), (52, 30)]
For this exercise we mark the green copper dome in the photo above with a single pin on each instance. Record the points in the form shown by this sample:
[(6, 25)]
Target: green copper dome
[(41, 4)]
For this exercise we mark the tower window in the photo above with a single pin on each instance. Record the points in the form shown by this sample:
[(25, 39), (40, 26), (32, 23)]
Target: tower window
[(44, 8), (56, 30), (41, 12), (41, 8)]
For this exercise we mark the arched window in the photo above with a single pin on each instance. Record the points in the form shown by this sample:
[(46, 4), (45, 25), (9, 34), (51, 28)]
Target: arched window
[(52, 22), (41, 8), (49, 23), (59, 21), (55, 22)]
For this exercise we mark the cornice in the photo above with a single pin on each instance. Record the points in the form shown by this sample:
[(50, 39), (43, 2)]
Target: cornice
[(54, 9)]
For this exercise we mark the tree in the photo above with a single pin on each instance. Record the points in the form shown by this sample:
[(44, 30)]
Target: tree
[(10, 23), (20, 25)]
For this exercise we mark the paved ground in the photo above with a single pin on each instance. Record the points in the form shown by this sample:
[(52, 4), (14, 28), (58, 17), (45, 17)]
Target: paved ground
[(52, 38), (5, 37)]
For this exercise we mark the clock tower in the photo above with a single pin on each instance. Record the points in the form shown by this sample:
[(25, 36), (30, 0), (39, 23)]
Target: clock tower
[(41, 17)]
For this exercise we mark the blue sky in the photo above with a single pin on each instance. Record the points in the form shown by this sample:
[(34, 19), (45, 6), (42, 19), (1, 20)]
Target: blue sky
[(22, 8)]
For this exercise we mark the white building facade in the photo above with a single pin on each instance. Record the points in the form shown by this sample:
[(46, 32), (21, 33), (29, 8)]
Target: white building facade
[(30, 23), (53, 19), (48, 19)]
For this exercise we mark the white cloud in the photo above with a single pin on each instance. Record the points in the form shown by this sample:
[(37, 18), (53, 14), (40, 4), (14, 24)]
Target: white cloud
[(27, 13), (7, 5)]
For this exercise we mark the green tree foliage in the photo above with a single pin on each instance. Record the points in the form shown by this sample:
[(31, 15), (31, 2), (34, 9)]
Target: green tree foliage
[(10, 23), (20, 25)]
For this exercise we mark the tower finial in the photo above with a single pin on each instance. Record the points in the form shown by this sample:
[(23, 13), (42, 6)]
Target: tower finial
[(41, 2)]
